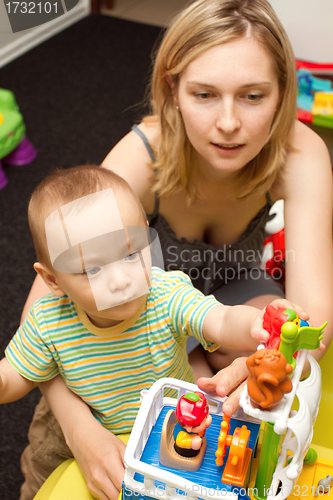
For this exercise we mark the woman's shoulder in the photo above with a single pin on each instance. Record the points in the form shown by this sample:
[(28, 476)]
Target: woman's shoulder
[(307, 161), (131, 160), (304, 138)]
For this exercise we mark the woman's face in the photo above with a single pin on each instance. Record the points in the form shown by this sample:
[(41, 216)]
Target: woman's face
[(228, 97)]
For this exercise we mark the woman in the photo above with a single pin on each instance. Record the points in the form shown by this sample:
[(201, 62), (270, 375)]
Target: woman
[(220, 146)]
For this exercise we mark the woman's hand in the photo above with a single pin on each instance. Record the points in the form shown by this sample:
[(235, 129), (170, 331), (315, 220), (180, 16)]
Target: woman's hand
[(230, 381), (100, 456)]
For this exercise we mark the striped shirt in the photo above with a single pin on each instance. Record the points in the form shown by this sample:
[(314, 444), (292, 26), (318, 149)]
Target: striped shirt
[(109, 367)]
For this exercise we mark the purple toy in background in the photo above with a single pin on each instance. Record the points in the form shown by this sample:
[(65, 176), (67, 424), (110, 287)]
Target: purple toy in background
[(15, 148)]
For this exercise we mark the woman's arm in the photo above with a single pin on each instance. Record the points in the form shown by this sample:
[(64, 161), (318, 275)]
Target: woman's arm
[(99, 453), (307, 190), (38, 290), (130, 159)]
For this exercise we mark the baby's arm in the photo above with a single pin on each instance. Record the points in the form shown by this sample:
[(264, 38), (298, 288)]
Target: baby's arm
[(12, 385), (240, 327), (98, 452)]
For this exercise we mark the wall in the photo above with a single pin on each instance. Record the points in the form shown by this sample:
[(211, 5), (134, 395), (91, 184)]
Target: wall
[(12, 45), (309, 24)]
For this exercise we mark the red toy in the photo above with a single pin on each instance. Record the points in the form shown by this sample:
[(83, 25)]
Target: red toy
[(275, 266), (193, 416), (274, 319)]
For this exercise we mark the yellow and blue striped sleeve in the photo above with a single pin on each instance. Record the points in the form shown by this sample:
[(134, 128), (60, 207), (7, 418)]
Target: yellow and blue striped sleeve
[(28, 353), (187, 309)]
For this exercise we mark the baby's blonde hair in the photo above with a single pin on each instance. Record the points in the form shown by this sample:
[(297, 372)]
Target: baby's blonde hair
[(203, 25), (63, 186)]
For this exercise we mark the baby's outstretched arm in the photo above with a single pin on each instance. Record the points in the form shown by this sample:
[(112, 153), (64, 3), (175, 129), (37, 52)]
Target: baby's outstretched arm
[(12, 385), (240, 327)]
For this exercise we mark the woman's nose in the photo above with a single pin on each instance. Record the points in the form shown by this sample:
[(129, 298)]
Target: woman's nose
[(228, 120)]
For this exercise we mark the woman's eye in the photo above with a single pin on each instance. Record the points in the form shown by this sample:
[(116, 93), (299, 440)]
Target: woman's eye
[(203, 95), (94, 271), (132, 257), (254, 97)]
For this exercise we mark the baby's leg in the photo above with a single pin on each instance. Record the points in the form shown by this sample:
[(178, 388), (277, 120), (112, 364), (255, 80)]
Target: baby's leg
[(47, 450)]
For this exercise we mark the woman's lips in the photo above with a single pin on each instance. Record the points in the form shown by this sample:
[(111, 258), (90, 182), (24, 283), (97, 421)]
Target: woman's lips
[(228, 149)]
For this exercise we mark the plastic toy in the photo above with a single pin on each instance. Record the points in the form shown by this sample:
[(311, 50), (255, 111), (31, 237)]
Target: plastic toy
[(273, 321), (146, 477), (315, 93), (183, 433), (67, 480), (268, 380), (273, 259), (193, 418), (15, 148), (236, 470), (297, 425), (324, 485)]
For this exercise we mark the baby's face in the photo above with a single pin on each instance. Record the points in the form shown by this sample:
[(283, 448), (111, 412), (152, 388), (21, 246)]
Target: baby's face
[(100, 251)]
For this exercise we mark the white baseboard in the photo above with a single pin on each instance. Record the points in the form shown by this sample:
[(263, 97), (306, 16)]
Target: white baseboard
[(41, 33)]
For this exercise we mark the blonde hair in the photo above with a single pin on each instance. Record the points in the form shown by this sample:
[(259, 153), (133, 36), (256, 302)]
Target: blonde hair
[(63, 186), (201, 26)]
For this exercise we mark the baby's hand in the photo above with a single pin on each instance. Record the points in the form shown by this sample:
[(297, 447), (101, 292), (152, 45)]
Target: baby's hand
[(261, 335), (101, 460), (230, 381)]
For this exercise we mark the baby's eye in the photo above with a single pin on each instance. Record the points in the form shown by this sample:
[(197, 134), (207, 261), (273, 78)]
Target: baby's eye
[(132, 257), (94, 271)]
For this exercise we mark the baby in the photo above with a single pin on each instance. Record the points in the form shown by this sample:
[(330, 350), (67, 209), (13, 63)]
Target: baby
[(114, 323)]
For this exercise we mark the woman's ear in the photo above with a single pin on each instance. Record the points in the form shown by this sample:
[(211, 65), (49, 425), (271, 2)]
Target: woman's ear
[(173, 87), (49, 278)]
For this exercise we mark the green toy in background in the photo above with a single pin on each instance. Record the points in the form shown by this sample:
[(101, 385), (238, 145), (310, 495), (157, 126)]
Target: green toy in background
[(15, 148)]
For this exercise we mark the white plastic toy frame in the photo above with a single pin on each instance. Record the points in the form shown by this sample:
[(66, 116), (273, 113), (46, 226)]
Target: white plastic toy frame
[(153, 401), (298, 425)]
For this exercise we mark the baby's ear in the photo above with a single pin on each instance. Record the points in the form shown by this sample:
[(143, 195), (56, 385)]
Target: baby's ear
[(49, 278)]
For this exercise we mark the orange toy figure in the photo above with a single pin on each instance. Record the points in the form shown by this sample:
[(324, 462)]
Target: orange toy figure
[(193, 418), (268, 380), (274, 319)]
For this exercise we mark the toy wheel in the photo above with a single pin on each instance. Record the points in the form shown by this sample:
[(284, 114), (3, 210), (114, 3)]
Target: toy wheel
[(222, 442)]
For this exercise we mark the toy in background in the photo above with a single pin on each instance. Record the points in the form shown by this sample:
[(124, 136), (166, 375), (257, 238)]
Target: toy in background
[(274, 254), (15, 148), (315, 93), (324, 485)]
